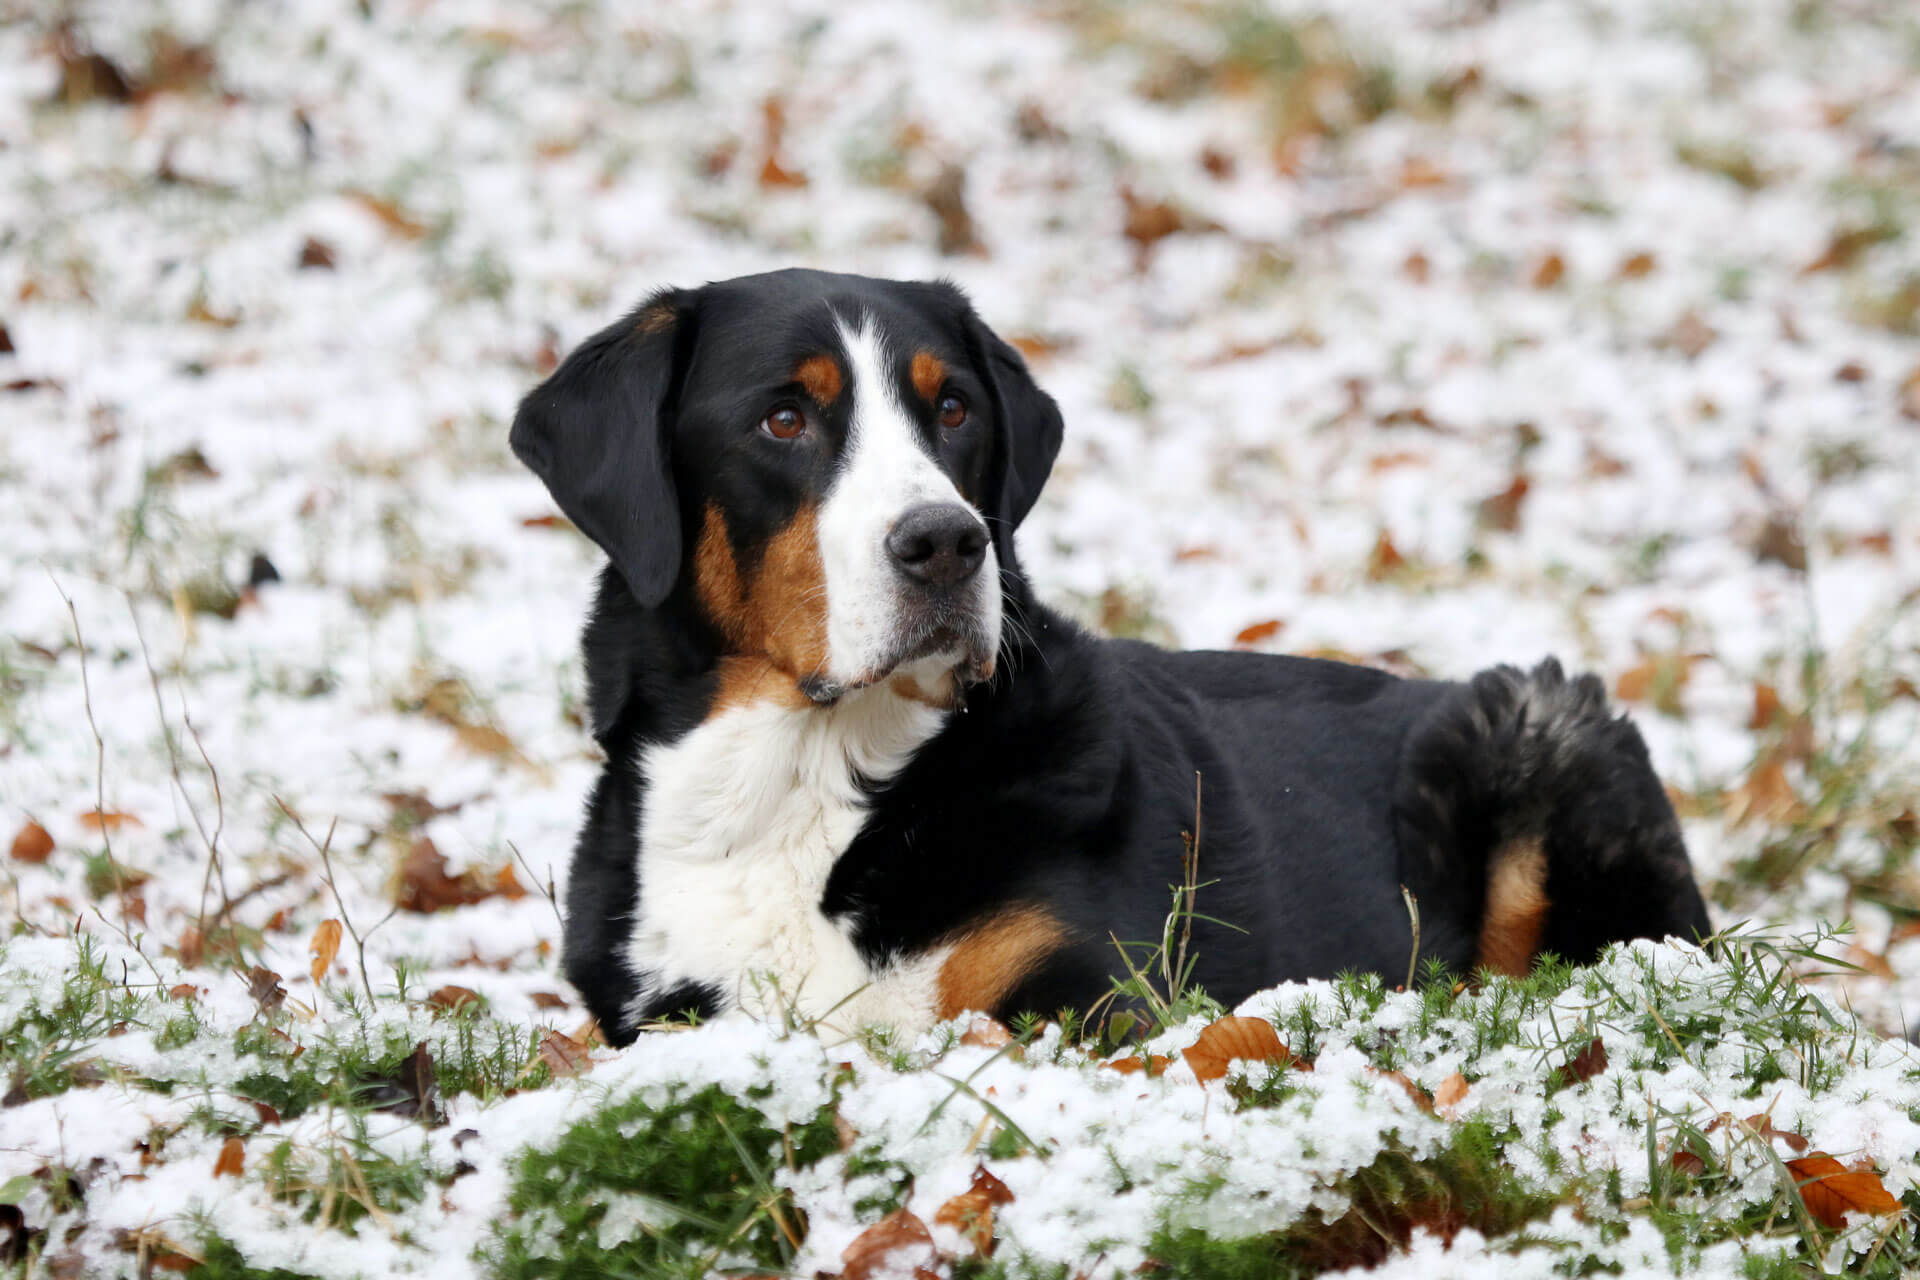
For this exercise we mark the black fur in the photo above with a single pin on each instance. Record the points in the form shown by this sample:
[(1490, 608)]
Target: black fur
[(1068, 779)]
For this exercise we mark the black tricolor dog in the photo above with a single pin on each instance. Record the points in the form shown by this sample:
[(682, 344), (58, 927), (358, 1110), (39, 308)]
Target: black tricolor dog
[(855, 769)]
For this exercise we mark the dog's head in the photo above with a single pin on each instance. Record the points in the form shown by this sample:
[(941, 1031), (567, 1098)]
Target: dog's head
[(830, 466)]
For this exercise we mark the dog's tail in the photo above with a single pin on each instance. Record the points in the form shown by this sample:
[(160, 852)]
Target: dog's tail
[(1526, 805)]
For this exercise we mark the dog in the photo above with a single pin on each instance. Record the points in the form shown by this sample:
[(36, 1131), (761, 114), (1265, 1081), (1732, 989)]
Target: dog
[(857, 774)]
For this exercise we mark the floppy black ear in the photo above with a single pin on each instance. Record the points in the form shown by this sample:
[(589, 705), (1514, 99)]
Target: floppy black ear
[(596, 432), (1030, 427)]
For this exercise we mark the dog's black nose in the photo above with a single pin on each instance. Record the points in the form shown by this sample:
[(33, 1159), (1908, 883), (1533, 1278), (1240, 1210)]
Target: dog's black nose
[(940, 544)]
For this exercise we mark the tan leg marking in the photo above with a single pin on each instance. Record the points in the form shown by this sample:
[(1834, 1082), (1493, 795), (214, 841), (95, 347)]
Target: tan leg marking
[(928, 374), (989, 960), (775, 626), (1517, 905)]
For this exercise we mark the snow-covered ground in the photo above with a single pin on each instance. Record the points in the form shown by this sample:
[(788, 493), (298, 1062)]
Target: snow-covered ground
[(1437, 333)]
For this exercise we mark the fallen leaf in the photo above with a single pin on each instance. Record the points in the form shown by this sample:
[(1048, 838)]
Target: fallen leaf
[(1691, 335), (1762, 1124), (1450, 1094), (1766, 706), (1871, 962), (1421, 1098), (871, 1252), (971, 1212), (451, 997), (96, 820), (316, 255), (231, 1159), (564, 1055), (773, 115), (547, 1000), (1418, 172), (1636, 266), (1548, 272), (1910, 395), (389, 215), (1684, 1161), (1154, 1065), (325, 946), (1230, 1038), (1252, 635), (1385, 560), (946, 197), (33, 844), (1416, 268), (182, 991), (1502, 510), (1845, 248), (1779, 541), (1148, 221), (1659, 678), (1587, 1063), (425, 886), (263, 984), (986, 1033), (1766, 795), (1831, 1190)]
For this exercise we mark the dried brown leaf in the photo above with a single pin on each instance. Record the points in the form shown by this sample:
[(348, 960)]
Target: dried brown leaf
[(871, 1252), (971, 1212), (1230, 1038), (325, 946), (1831, 1190), (1254, 633), (547, 1000), (1154, 1065), (452, 997), (263, 984), (1587, 1063), (1450, 1094), (232, 1159), (564, 1055), (96, 820), (987, 1033), (33, 844)]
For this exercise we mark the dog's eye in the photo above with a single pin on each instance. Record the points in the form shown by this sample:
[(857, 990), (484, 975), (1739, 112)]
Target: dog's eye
[(784, 424), (953, 411)]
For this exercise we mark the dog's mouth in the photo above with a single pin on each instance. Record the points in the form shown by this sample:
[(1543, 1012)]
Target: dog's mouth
[(963, 641)]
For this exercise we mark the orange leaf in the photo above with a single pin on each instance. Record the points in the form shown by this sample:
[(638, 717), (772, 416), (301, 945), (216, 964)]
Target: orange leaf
[(1766, 705), (548, 1000), (1421, 1098), (1385, 560), (564, 1055), (95, 820), (1549, 271), (1451, 1093), (1252, 1039), (971, 1212), (1587, 1063), (871, 1252), (325, 946), (231, 1158), (1766, 795), (1636, 266), (1254, 634), (1156, 1064), (390, 215), (451, 997), (33, 844), (1831, 1190), (1762, 1124), (986, 1033)]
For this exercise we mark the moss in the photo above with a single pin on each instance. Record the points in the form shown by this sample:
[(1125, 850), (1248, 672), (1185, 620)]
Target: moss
[(699, 1169)]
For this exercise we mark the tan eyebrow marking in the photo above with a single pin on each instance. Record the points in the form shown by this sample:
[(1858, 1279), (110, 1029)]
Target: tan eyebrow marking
[(821, 378), (928, 374)]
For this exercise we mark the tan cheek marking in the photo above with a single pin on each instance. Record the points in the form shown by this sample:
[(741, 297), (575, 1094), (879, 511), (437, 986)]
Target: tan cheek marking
[(1517, 905), (942, 697), (749, 678), (928, 374), (820, 376), (716, 579), (788, 602), (993, 956)]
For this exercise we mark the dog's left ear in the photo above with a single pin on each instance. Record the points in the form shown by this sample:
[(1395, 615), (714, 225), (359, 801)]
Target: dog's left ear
[(598, 432), (1029, 428)]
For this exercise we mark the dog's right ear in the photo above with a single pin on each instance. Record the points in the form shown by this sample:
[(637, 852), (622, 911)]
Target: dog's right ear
[(598, 433)]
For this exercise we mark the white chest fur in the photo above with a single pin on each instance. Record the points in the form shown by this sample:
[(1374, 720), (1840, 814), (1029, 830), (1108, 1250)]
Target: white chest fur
[(743, 820)]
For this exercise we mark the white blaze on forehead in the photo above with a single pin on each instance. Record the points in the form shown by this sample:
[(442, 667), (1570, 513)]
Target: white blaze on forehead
[(885, 472)]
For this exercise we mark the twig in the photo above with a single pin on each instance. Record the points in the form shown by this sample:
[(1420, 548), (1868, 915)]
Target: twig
[(1413, 914), (546, 890), (100, 751), (326, 863), (214, 861)]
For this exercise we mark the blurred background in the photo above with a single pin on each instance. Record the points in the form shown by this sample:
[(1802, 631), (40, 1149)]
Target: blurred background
[(1425, 334)]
